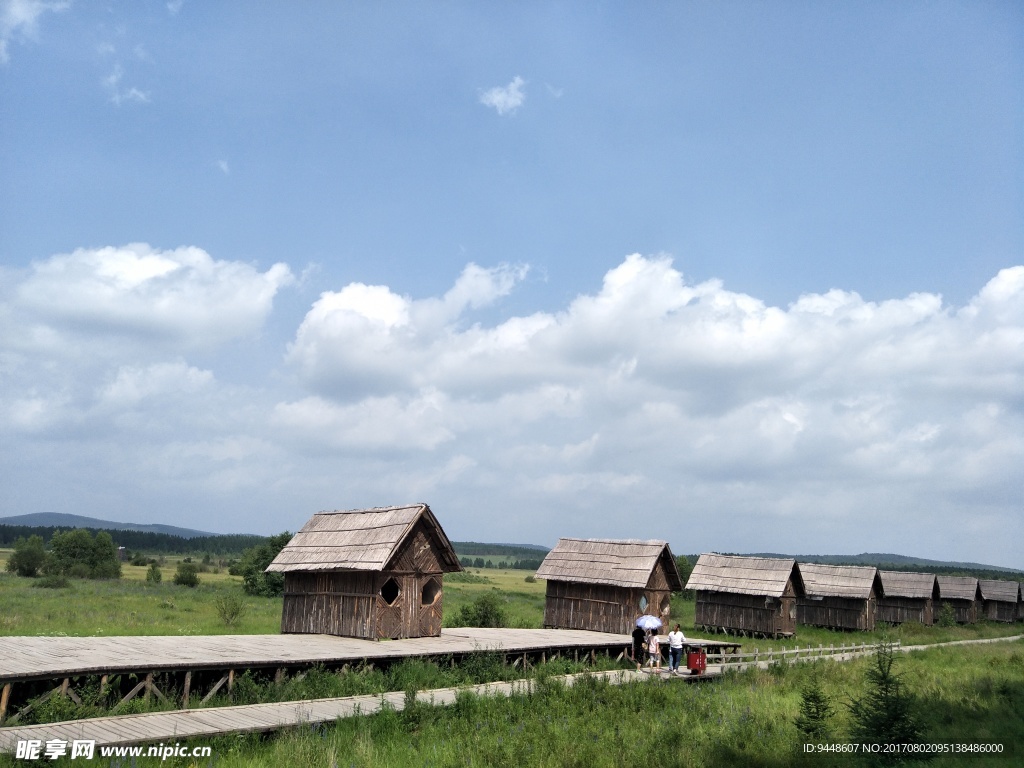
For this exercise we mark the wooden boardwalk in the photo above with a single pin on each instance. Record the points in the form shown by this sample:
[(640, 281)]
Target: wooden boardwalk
[(40, 658), (169, 727)]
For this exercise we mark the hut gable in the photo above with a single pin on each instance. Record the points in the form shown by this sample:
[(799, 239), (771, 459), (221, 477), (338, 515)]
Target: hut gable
[(999, 599), (848, 581), (371, 573), (366, 540), (603, 585), (625, 563), (919, 586), (765, 576), (1003, 591), (958, 588)]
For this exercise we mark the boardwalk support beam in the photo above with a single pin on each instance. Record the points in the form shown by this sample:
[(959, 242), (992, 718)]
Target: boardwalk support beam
[(4, 698), (188, 686)]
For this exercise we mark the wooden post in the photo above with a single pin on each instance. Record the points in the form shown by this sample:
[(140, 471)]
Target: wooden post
[(64, 686), (149, 686), (103, 685), (279, 676), (188, 686), (5, 697), (231, 680)]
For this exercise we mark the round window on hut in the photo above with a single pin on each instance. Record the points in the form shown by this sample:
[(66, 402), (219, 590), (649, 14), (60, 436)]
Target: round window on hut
[(390, 591), (431, 591)]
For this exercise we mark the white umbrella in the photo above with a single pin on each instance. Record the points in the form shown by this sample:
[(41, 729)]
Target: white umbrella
[(648, 622)]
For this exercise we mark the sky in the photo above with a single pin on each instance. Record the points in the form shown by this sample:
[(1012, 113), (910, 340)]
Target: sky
[(746, 277)]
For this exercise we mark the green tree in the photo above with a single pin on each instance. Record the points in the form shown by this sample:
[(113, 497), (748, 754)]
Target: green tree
[(28, 557), (153, 575), (253, 566), (884, 714), (685, 569), (815, 710), (186, 575), (77, 553)]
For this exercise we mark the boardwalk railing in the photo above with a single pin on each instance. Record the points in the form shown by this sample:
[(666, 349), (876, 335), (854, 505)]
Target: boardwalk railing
[(741, 661)]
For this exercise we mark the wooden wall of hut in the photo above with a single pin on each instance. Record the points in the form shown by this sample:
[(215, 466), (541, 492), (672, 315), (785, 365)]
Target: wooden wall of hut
[(747, 613), (837, 613), (899, 610), (964, 611), (601, 607), (366, 604), (997, 610)]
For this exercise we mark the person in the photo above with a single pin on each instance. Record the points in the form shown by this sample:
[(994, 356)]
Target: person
[(676, 638), (639, 639), (654, 649)]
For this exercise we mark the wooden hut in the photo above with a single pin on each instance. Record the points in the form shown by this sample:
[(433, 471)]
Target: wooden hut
[(604, 585), (838, 596), (961, 594), (999, 599), (1020, 603), (907, 597), (755, 595), (370, 573)]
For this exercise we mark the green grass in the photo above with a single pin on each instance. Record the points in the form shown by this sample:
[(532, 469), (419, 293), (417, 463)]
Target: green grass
[(744, 719)]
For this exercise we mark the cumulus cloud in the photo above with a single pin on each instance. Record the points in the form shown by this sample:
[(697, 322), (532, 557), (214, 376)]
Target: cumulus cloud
[(120, 94), (179, 298), (652, 405), (654, 388), (507, 100), (21, 17)]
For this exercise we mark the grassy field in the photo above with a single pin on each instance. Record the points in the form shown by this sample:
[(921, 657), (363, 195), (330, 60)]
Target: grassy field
[(745, 719)]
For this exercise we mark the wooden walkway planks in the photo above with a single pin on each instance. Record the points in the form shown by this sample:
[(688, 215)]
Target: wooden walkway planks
[(23, 658), (182, 724)]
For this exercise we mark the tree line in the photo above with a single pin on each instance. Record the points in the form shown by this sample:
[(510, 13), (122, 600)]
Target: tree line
[(165, 543)]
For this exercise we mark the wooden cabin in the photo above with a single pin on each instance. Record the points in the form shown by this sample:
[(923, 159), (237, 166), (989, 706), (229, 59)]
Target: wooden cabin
[(1020, 603), (605, 585), (999, 599), (755, 595), (907, 597), (838, 596), (961, 594), (370, 573)]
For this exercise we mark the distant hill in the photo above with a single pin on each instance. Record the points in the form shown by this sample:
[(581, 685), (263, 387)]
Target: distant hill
[(61, 520), (897, 562)]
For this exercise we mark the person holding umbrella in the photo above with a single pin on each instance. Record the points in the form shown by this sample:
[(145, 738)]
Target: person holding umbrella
[(651, 624)]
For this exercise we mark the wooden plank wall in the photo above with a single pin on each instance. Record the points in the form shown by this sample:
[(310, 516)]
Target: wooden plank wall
[(746, 613), (997, 610), (964, 611), (897, 610), (836, 613), (595, 607)]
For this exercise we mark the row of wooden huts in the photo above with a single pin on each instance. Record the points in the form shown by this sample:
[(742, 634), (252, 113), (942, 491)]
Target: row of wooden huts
[(770, 596), (378, 573)]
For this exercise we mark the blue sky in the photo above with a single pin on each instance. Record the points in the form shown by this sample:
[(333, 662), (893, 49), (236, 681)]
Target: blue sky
[(544, 266)]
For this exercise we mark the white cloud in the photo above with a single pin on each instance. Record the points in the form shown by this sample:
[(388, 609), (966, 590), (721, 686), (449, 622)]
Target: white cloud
[(119, 94), (224, 167), (650, 406), (21, 17), (654, 388), (179, 299), (505, 100)]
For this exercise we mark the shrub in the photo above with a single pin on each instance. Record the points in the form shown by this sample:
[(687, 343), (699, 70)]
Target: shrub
[(29, 556), (485, 611), (53, 582), (253, 565), (153, 575), (947, 616), (530, 579), (186, 575), (230, 607)]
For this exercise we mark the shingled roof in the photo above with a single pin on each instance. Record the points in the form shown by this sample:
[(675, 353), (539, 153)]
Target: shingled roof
[(904, 584), (360, 540), (616, 562), (743, 575), (852, 581), (1003, 591), (958, 588)]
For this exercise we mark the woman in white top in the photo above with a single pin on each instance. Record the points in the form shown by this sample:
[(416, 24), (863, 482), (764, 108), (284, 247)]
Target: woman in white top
[(676, 638)]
